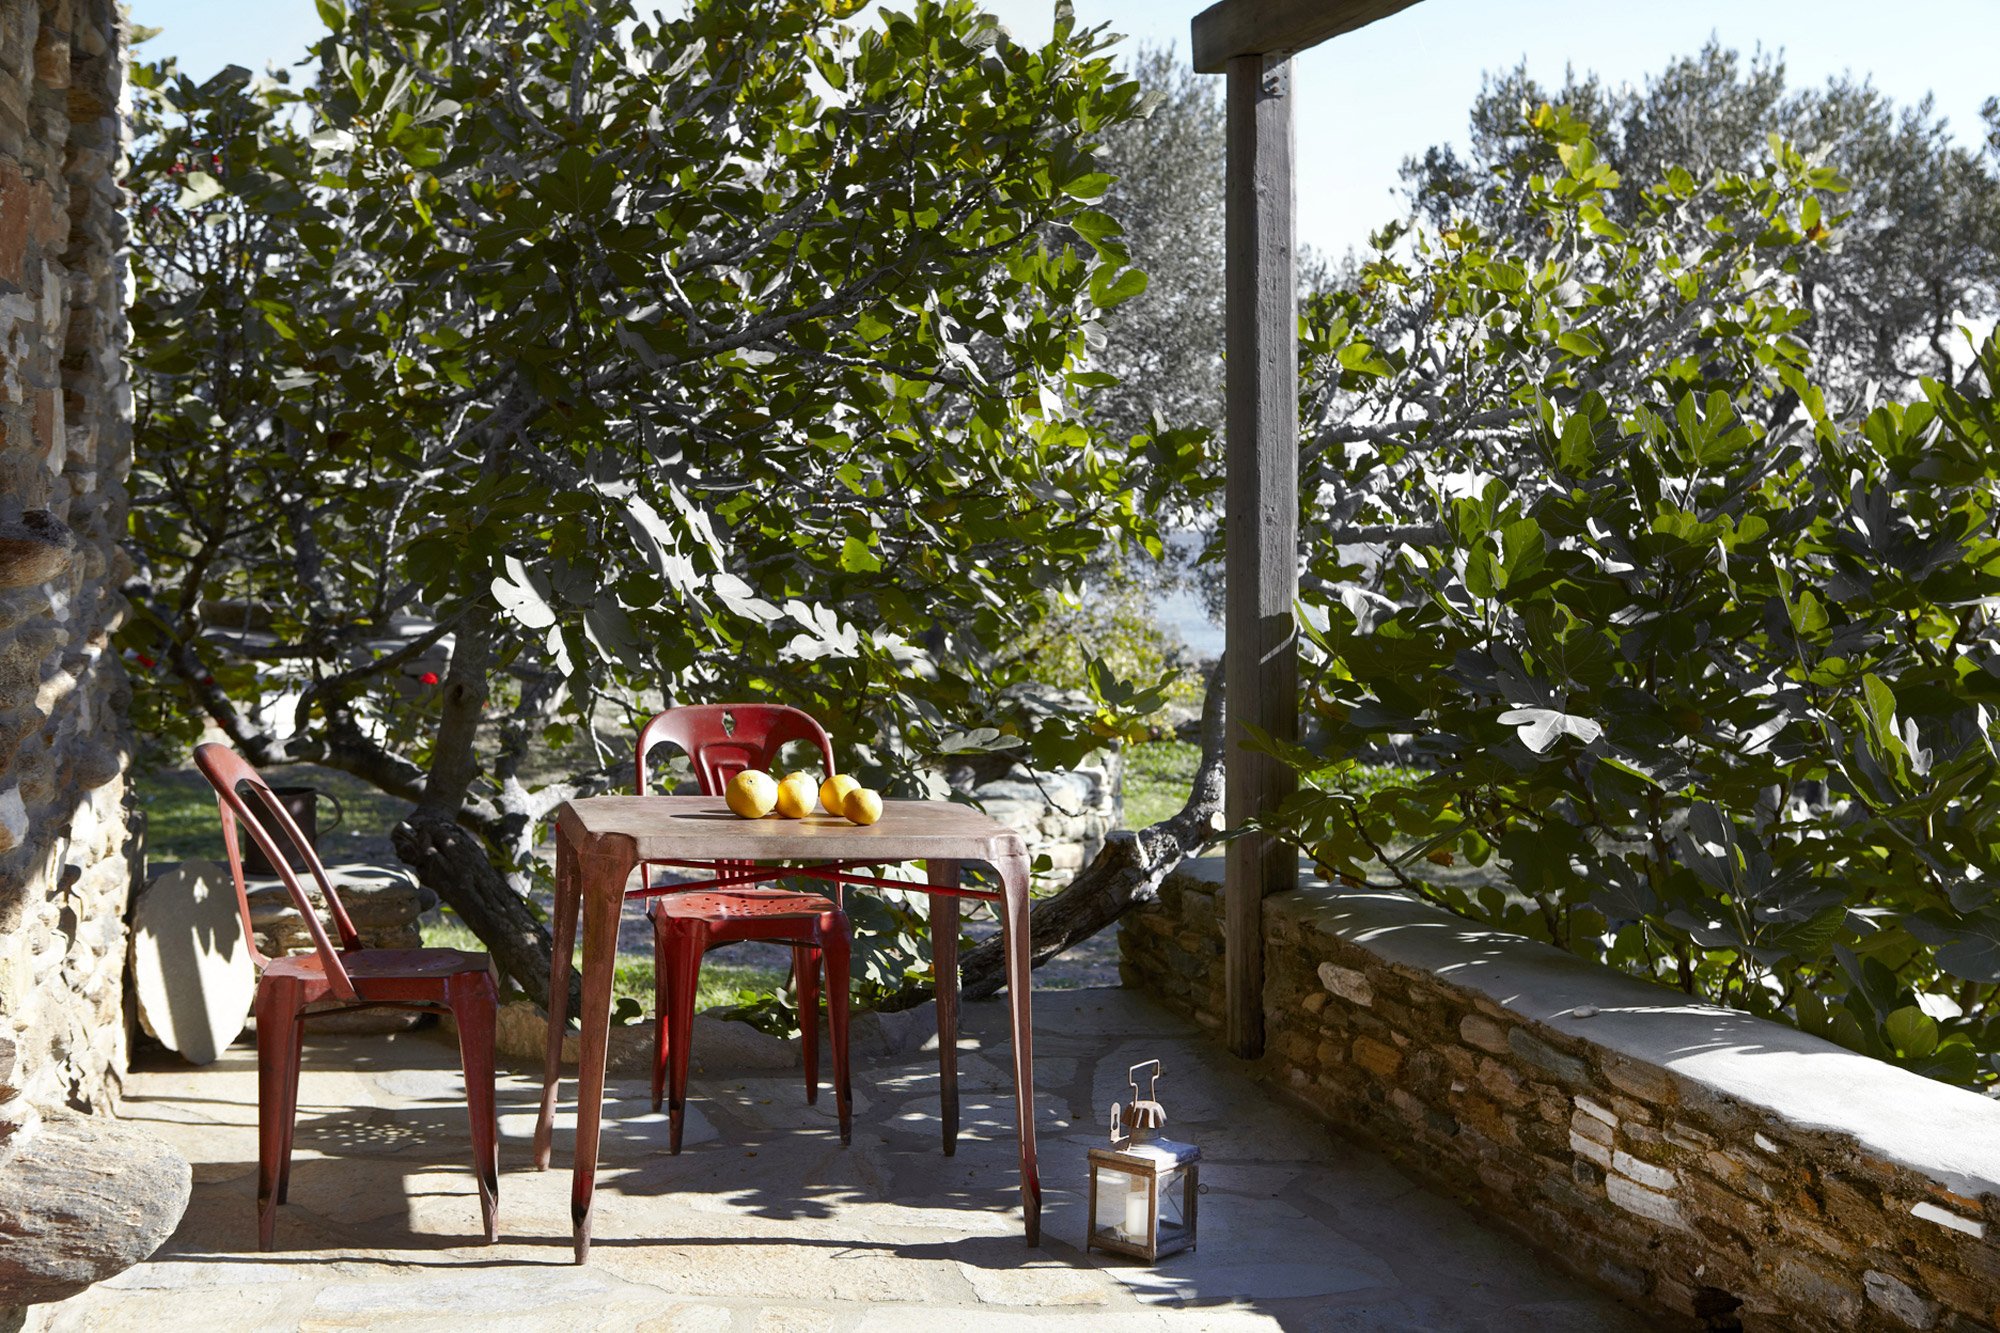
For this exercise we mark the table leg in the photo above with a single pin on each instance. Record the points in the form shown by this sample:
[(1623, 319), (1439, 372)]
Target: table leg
[(564, 924), (944, 964), (1020, 981), (602, 889)]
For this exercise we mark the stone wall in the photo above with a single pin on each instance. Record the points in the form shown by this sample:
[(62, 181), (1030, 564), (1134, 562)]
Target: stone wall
[(1061, 815), (383, 904), (65, 445), (1718, 1169)]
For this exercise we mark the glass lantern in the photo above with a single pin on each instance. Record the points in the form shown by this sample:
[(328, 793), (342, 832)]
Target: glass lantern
[(1143, 1187)]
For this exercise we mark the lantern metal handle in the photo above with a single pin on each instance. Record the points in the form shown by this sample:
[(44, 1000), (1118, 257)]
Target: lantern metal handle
[(1152, 1086)]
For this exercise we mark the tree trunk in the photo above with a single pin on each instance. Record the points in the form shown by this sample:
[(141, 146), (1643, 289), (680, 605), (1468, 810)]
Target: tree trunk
[(1127, 871), (452, 861)]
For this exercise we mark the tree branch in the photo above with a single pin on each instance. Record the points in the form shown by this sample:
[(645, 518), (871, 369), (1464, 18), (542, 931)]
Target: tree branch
[(1125, 873)]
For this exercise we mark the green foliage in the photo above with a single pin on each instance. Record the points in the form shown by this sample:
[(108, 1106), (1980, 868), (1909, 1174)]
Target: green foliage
[(1699, 671), (1103, 635), (540, 361)]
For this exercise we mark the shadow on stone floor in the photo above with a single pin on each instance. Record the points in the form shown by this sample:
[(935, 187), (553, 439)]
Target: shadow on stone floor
[(764, 1221)]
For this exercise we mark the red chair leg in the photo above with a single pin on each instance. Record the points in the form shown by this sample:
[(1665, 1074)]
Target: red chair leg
[(473, 1004), (689, 940), (805, 971), (289, 1115), (662, 1003), (834, 944), (277, 1063), (944, 960)]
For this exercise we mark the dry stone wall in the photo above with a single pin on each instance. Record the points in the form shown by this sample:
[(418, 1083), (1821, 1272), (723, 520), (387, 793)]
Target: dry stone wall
[(382, 903), (65, 445), (1062, 814), (1721, 1170)]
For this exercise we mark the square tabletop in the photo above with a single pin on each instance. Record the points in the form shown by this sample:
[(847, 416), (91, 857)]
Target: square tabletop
[(704, 828)]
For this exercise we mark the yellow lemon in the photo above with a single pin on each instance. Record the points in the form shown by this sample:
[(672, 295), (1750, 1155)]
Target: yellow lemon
[(751, 793), (862, 806), (795, 795), (833, 792)]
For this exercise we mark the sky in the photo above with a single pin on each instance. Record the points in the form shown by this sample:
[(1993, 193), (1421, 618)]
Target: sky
[(1369, 98)]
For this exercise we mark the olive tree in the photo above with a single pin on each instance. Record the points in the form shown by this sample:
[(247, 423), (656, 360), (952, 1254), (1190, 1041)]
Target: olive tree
[(1886, 295)]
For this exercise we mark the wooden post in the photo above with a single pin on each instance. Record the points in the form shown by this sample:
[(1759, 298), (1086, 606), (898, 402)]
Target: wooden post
[(1280, 27), (1262, 515)]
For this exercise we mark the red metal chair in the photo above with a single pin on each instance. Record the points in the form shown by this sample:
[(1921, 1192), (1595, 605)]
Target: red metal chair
[(328, 980), (722, 740)]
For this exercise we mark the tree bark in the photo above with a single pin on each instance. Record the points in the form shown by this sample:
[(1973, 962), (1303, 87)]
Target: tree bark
[(454, 753), (455, 863), (450, 859), (1126, 872)]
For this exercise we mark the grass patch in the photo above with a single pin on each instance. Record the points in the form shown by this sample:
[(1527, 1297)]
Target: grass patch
[(1158, 775), (722, 981), (182, 825), (181, 821)]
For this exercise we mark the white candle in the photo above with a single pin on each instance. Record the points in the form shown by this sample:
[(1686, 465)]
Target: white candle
[(1110, 1200), (1138, 1213)]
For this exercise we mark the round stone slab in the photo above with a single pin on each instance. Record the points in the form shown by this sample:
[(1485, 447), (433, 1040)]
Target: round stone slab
[(191, 967)]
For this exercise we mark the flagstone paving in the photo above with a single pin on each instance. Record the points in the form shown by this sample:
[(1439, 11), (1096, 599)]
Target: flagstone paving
[(765, 1224)]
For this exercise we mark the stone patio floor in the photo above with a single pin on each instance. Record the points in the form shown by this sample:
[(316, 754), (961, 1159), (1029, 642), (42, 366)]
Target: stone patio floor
[(765, 1224)]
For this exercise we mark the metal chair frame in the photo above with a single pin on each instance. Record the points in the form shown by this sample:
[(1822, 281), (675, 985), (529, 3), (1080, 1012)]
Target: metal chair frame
[(296, 987), (722, 740)]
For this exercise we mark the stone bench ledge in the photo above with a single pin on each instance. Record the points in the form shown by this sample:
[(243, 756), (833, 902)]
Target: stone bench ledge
[(1949, 1134), (1718, 1169)]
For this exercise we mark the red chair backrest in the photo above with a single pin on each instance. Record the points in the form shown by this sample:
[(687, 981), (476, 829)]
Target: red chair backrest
[(722, 740), (232, 776)]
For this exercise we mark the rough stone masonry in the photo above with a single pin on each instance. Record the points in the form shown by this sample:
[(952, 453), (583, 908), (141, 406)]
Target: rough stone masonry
[(65, 446), (79, 1195), (1063, 814), (1717, 1169)]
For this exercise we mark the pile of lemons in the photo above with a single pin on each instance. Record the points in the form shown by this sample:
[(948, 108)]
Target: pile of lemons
[(754, 793)]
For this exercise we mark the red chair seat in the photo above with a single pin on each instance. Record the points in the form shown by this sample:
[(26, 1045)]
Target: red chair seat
[(722, 740), (742, 905), (382, 965)]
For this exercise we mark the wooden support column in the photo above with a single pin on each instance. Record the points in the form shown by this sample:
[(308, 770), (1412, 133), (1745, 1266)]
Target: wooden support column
[(1262, 514)]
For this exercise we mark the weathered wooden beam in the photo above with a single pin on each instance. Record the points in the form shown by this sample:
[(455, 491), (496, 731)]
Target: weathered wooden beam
[(1261, 516), (1274, 28)]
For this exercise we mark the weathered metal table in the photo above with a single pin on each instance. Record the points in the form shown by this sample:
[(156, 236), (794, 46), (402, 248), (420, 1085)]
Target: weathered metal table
[(599, 841)]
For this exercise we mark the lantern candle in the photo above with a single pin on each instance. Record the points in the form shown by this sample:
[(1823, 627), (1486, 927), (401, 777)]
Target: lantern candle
[(1137, 1208)]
